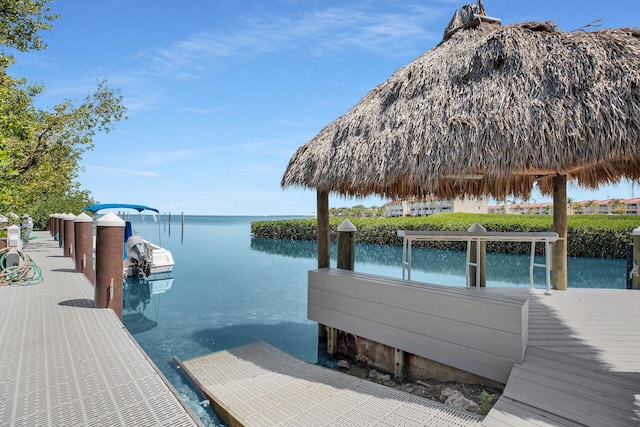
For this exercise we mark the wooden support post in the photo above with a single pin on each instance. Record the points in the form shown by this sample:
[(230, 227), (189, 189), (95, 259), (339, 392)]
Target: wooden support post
[(332, 341), (483, 263), (559, 262), (398, 364), (346, 245), (635, 281), (183, 220), (324, 236)]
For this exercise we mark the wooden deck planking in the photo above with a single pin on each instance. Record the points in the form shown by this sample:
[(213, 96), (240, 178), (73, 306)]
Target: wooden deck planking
[(62, 362)]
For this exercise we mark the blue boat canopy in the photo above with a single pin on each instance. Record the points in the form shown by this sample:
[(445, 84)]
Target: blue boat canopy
[(139, 208)]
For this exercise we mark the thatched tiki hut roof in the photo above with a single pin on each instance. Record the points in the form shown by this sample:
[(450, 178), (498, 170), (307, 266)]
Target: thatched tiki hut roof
[(490, 111)]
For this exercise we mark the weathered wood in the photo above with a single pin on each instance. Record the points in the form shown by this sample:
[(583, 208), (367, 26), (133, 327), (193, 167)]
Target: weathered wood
[(324, 237), (398, 363), (559, 261), (447, 325), (635, 281), (483, 263), (346, 245)]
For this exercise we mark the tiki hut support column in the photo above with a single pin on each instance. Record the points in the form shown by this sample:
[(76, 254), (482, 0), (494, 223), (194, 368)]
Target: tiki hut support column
[(559, 262), (324, 254), (635, 279)]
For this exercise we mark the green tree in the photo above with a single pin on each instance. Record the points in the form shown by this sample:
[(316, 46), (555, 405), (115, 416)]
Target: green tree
[(617, 207), (21, 22), (40, 149)]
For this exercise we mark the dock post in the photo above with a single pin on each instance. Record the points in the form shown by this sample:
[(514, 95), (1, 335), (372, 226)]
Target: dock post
[(69, 235), (56, 236), (61, 230), (109, 269), (559, 260), (398, 363), (483, 263), (346, 261), (84, 246), (346, 245), (635, 280), (183, 220)]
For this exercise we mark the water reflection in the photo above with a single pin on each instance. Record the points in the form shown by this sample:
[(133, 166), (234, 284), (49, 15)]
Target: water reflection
[(440, 266), (139, 305)]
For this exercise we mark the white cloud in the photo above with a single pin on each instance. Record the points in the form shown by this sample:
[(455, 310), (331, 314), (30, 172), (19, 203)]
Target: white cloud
[(105, 170), (332, 29)]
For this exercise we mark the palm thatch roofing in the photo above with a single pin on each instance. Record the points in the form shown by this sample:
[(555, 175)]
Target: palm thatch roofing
[(490, 111)]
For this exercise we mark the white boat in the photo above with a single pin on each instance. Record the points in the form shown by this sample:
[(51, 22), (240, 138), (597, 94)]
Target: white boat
[(141, 257)]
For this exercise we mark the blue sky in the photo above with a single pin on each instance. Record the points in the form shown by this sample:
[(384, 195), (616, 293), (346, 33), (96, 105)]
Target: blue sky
[(222, 92)]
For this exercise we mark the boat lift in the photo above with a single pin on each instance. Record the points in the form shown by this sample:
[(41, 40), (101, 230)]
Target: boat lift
[(476, 234)]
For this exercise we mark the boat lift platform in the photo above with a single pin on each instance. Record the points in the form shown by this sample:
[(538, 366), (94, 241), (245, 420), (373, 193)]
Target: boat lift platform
[(259, 385)]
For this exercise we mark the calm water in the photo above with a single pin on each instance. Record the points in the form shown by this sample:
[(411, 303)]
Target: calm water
[(229, 289)]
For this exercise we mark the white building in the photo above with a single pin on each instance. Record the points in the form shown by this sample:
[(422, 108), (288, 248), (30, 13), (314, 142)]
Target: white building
[(431, 205)]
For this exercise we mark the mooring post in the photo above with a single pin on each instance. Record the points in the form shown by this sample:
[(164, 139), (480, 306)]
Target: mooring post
[(635, 280), (56, 236), (109, 269), (84, 245), (61, 230), (346, 261), (69, 235), (346, 245)]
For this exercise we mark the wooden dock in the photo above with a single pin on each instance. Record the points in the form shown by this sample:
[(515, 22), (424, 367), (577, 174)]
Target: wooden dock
[(65, 363)]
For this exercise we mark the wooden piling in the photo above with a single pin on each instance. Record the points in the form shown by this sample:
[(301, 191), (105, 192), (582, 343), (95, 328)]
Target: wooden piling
[(483, 263), (635, 281), (324, 236), (346, 245), (559, 261)]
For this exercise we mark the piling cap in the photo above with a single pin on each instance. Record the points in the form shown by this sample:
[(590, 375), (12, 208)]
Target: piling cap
[(83, 217), (346, 226), (477, 228), (69, 217), (110, 220), (636, 232)]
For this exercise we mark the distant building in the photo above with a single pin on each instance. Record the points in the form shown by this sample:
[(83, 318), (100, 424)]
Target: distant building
[(585, 207), (431, 205)]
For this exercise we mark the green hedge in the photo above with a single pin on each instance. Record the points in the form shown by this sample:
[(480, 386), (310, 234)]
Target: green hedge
[(588, 235)]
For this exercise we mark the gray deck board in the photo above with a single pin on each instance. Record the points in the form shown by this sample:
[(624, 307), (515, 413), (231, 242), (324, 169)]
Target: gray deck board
[(62, 362), (582, 365)]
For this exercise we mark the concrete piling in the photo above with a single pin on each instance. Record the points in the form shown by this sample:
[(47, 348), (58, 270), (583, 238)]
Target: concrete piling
[(84, 246), (109, 251), (69, 235)]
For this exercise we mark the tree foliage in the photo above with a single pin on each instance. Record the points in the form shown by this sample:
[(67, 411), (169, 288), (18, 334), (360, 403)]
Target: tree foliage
[(22, 21), (40, 150)]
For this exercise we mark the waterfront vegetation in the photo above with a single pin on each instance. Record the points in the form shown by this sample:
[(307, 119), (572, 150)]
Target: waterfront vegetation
[(41, 149), (603, 236)]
